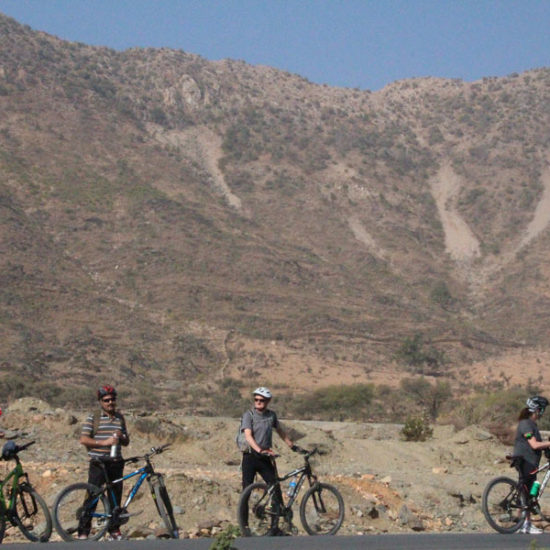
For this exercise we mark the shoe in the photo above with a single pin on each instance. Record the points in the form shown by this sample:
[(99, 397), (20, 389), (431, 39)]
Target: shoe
[(82, 537), (115, 535), (529, 529)]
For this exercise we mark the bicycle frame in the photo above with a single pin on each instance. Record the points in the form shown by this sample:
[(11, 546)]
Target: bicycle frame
[(144, 473), (303, 472), (16, 474), (545, 479)]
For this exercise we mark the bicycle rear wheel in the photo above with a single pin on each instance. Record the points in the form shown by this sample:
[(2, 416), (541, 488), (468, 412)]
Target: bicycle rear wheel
[(503, 505), (257, 511), (164, 507), (83, 509), (32, 514), (322, 510)]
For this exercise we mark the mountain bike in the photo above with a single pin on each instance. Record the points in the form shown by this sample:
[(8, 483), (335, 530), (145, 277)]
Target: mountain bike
[(506, 502), (85, 504), (260, 508), (24, 508)]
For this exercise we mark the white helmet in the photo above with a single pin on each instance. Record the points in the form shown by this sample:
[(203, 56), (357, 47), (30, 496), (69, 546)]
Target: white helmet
[(537, 403), (264, 392)]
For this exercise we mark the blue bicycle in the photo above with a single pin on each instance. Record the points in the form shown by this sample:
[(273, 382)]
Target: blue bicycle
[(85, 504)]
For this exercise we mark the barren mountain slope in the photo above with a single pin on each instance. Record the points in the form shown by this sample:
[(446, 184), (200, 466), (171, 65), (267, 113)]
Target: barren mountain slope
[(168, 217)]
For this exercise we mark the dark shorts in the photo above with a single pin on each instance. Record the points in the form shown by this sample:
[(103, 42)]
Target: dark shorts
[(527, 476)]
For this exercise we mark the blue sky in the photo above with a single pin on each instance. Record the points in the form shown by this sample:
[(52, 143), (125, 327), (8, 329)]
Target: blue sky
[(354, 43)]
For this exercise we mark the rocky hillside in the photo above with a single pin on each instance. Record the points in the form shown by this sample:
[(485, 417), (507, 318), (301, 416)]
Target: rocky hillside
[(166, 221)]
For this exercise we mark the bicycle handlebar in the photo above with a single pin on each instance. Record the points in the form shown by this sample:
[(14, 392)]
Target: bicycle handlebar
[(25, 446), (147, 456), (305, 453)]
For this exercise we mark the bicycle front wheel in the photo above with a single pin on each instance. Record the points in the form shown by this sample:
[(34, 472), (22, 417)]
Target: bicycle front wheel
[(2, 525), (164, 508), (543, 507), (32, 515), (503, 505), (258, 511), (82, 510), (322, 510)]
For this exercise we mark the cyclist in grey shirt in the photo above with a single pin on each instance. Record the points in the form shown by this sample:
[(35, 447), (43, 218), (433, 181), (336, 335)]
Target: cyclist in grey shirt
[(258, 425)]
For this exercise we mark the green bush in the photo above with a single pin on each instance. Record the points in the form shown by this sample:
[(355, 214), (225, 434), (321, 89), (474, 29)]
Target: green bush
[(416, 428), (224, 539), (337, 402)]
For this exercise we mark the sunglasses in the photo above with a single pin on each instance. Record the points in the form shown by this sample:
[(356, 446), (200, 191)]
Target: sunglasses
[(259, 400), (109, 400)]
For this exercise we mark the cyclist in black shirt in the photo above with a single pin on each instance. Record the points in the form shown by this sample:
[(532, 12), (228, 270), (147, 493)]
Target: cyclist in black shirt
[(529, 446)]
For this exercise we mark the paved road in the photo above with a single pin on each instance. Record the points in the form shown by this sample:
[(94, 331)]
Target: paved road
[(439, 541)]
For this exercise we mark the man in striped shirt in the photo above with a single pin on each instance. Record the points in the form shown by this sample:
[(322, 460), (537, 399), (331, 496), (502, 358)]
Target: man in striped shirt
[(103, 430)]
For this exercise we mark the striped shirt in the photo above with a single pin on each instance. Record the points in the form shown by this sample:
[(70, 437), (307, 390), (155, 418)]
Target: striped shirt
[(106, 428)]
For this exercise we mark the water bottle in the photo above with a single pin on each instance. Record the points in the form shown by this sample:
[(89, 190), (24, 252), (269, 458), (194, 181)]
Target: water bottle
[(114, 447), (291, 487), (535, 489)]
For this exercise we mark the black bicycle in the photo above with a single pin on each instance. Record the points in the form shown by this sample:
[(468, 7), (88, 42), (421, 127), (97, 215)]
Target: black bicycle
[(261, 509), (506, 502), (85, 504)]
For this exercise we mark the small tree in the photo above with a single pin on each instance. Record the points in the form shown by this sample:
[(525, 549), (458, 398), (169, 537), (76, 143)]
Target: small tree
[(414, 353), (429, 396), (441, 295)]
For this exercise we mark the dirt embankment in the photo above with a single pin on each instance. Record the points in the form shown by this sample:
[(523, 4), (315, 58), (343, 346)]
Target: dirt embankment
[(388, 485)]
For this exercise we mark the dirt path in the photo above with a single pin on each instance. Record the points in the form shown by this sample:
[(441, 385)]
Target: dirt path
[(205, 147), (460, 241), (541, 217), (363, 236)]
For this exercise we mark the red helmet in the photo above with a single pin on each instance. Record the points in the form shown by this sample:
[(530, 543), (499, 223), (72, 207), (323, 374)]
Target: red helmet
[(105, 390)]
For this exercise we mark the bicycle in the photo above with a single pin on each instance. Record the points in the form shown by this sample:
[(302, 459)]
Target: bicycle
[(321, 509), (25, 508), (506, 503), (84, 503)]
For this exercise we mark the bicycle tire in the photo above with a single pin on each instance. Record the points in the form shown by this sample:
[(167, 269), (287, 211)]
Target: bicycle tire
[(68, 511), (165, 510), (255, 511), (322, 510), (503, 505), (2, 526), (32, 514)]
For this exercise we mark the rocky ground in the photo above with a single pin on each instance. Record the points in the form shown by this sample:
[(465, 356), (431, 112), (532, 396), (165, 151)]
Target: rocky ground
[(388, 485)]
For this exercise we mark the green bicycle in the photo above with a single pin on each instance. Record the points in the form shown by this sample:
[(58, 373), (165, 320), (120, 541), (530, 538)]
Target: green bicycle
[(24, 508)]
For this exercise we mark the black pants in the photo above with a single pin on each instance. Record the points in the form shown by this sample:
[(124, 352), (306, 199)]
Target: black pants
[(96, 476), (254, 463), (528, 478)]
